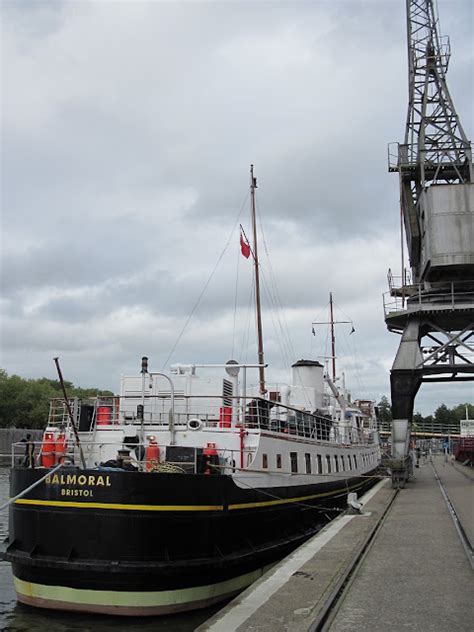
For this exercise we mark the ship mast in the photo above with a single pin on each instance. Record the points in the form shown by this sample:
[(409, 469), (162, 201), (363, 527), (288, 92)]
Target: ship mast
[(261, 362), (333, 338), (331, 323)]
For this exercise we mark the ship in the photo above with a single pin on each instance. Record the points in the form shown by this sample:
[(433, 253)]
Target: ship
[(186, 487)]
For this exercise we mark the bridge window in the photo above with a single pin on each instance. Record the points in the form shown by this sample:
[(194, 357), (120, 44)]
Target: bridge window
[(264, 461), (328, 464), (278, 461), (294, 462), (307, 458), (319, 464)]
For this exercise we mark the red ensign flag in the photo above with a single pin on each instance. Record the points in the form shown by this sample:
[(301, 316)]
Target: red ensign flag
[(244, 247)]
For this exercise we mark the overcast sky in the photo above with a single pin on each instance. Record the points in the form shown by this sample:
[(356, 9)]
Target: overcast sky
[(127, 133)]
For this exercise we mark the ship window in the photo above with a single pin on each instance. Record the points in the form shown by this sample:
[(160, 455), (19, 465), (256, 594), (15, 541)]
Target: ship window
[(294, 462), (278, 461), (336, 463), (319, 464), (355, 462), (349, 461), (343, 465), (274, 396), (307, 458), (328, 463), (264, 460)]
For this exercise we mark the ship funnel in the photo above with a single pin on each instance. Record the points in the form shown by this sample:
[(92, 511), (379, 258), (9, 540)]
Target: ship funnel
[(309, 376)]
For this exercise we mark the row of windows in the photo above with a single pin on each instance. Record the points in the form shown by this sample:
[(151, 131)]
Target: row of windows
[(335, 463)]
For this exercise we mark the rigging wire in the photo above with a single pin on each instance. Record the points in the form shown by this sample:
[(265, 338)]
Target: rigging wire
[(235, 301), (350, 346), (314, 340), (277, 311), (280, 313), (197, 303), (246, 330)]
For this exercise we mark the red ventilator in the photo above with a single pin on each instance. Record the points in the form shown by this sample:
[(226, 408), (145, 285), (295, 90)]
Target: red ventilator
[(225, 417), (103, 415)]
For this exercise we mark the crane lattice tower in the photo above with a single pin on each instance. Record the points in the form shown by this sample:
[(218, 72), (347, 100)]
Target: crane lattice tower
[(433, 306)]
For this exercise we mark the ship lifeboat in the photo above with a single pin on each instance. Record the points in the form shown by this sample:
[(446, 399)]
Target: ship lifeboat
[(48, 448), (152, 455)]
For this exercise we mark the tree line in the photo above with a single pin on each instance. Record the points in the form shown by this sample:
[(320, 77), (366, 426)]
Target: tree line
[(25, 403), (444, 420)]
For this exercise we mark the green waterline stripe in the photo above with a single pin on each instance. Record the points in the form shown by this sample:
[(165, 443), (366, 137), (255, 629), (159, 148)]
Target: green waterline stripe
[(143, 599)]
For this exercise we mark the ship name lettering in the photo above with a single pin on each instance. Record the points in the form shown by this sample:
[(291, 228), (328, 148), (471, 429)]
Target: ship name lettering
[(65, 491), (73, 479)]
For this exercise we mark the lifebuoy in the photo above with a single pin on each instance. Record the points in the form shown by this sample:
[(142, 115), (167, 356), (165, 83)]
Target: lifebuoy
[(195, 424)]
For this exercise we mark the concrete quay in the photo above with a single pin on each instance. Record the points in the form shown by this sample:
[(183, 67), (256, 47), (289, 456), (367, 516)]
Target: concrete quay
[(414, 575)]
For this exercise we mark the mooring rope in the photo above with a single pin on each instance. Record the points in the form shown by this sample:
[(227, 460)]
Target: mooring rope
[(28, 489)]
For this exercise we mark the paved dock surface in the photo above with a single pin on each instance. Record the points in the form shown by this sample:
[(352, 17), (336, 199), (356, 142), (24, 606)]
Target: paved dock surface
[(414, 576), (459, 483)]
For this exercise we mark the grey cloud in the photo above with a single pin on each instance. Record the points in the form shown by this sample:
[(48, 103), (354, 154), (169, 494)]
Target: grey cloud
[(127, 157)]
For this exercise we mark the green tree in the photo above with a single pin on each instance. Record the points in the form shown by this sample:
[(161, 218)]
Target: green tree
[(459, 411), (384, 413), (25, 403), (417, 422), (445, 420)]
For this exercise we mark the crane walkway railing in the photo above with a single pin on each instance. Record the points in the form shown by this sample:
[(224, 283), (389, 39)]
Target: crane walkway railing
[(417, 297)]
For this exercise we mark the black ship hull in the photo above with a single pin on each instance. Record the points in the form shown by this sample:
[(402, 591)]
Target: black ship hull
[(145, 544)]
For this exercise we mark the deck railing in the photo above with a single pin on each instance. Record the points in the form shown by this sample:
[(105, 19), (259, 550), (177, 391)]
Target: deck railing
[(105, 457), (200, 412)]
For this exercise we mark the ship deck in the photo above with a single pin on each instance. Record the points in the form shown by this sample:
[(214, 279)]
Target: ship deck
[(401, 564)]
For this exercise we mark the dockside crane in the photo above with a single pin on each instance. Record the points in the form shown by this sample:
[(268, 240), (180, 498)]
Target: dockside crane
[(432, 307)]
